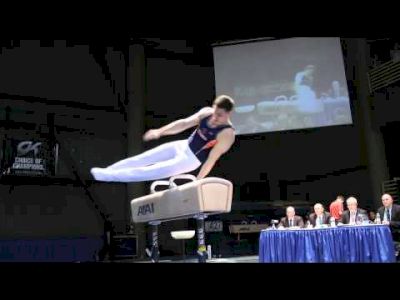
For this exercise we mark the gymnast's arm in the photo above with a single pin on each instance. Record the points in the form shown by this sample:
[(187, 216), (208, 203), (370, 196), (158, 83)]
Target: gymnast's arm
[(225, 141), (297, 81), (179, 125)]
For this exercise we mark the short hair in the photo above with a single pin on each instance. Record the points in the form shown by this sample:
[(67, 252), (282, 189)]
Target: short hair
[(309, 67), (340, 196), (291, 208), (318, 204), (224, 102), (386, 194), (351, 200)]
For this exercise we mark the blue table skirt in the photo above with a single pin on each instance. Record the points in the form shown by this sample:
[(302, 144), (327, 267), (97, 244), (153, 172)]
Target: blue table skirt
[(354, 244)]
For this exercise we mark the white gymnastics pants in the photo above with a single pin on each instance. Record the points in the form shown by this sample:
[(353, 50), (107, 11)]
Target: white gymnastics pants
[(307, 101), (166, 160)]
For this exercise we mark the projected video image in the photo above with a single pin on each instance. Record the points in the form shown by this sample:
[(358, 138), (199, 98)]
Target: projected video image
[(284, 84)]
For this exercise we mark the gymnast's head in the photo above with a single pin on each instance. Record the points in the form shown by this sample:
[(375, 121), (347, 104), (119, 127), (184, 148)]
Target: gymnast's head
[(309, 70), (223, 106)]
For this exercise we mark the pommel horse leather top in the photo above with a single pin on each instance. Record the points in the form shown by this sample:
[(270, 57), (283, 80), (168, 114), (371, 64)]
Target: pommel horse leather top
[(206, 196)]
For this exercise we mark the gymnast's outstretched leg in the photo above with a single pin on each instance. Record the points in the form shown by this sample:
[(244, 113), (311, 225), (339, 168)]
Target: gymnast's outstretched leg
[(161, 153), (182, 163)]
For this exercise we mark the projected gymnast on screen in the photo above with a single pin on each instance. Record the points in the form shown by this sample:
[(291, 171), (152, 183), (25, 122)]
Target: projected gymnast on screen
[(303, 83), (213, 137), (307, 101)]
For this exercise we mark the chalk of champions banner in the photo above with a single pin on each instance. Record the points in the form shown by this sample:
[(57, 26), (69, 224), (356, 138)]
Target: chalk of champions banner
[(29, 158)]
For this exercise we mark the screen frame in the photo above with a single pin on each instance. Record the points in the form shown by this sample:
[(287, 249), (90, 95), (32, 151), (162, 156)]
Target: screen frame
[(294, 130)]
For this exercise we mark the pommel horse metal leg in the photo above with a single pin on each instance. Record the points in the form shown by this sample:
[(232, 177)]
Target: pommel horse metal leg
[(154, 253), (201, 250)]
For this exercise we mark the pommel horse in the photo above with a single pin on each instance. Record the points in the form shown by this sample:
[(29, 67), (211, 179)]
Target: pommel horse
[(196, 199)]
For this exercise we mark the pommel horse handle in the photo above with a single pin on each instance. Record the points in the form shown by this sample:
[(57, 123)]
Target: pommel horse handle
[(158, 183), (182, 176)]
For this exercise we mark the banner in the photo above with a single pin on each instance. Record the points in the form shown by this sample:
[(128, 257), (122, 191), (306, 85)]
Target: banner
[(30, 158)]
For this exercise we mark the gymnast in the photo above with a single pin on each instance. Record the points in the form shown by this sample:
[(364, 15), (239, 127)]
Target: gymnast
[(213, 137)]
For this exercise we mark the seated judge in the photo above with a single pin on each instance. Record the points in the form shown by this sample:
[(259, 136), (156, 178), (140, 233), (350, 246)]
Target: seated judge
[(320, 216), (291, 220), (390, 215), (352, 213)]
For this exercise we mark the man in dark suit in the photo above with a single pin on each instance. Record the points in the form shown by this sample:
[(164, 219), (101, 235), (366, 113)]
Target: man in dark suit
[(390, 215), (291, 220), (320, 216), (351, 215)]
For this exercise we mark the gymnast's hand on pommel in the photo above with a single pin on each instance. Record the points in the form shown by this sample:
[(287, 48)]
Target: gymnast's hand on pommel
[(152, 134)]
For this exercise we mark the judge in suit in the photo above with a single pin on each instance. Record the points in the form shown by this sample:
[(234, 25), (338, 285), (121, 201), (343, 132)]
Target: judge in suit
[(351, 215), (320, 216), (291, 220), (390, 215)]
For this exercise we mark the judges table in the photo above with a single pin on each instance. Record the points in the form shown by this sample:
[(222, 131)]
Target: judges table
[(345, 244)]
